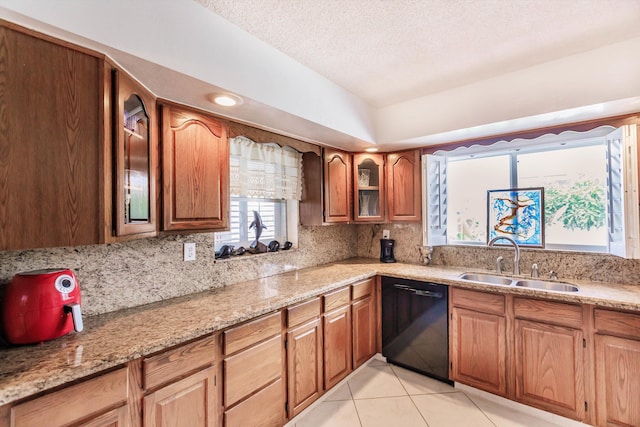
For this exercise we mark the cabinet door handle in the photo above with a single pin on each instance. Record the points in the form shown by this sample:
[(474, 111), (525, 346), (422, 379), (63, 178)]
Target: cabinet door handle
[(419, 292)]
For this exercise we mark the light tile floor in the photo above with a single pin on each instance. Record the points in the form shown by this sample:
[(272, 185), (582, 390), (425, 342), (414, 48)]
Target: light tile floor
[(383, 395)]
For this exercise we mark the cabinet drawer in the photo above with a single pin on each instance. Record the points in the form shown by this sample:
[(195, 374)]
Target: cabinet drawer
[(336, 299), (251, 369), (362, 289), (478, 301), (617, 323), (556, 313), (267, 406), (171, 364), (243, 336), (302, 312), (73, 403)]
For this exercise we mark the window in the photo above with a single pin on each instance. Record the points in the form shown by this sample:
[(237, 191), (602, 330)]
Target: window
[(584, 178), (264, 178)]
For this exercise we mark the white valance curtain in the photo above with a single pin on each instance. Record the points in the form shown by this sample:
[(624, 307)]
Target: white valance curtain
[(264, 170)]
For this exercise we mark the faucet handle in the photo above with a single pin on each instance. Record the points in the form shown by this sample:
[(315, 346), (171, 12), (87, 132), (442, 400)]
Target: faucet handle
[(499, 264), (553, 274), (534, 270)]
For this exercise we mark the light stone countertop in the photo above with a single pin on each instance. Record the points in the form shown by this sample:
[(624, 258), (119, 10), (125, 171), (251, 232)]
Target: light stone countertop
[(114, 338)]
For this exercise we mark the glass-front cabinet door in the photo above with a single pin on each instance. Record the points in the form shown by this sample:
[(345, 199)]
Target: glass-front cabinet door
[(135, 158), (368, 179)]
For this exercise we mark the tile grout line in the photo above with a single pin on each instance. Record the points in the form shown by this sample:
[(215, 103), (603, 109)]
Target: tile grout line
[(481, 410), (353, 401), (410, 396)]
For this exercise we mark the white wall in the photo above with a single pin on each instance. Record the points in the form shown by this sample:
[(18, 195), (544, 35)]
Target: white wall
[(598, 76)]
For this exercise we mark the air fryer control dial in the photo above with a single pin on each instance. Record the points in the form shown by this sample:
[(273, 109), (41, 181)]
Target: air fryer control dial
[(65, 284)]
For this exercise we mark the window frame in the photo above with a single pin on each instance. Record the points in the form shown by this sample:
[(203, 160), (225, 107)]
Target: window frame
[(625, 243)]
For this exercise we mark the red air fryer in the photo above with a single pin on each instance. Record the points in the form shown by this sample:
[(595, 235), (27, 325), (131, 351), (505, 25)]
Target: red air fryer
[(41, 305)]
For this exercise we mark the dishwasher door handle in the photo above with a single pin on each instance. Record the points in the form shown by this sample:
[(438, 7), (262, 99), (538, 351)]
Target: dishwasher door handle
[(419, 292)]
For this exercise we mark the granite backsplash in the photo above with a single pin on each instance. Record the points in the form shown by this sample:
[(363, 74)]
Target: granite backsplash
[(122, 275), (568, 265)]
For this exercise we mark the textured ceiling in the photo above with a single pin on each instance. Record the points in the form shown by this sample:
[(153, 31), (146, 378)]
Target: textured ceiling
[(389, 51)]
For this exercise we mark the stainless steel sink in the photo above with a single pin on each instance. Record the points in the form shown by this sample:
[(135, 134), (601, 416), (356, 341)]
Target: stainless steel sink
[(486, 278), (548, 286), (492, 279)]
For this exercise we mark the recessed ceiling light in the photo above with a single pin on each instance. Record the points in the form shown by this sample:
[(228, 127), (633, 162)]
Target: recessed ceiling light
[(226, 99), (371, 150)]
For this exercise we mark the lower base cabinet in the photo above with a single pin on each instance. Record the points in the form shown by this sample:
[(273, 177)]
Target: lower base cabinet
[(98, 402), (304, 365), (187, 403), (617, 373), (550, 367), (253, 369), (262, 409), (337, 346), (363, 316), (478, 340)]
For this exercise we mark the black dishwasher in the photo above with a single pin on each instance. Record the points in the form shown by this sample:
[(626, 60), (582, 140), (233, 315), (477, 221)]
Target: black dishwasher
[(415, 326)]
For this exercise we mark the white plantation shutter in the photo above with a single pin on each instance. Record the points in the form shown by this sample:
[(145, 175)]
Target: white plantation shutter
[(264, 170), (262, 178), (434, 169), (624, 217)]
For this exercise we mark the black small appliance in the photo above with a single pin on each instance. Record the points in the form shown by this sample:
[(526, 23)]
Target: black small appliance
[(386, 250)]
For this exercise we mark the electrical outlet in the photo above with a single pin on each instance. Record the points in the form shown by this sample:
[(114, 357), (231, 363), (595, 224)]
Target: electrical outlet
[(189, 251), (386, 234)]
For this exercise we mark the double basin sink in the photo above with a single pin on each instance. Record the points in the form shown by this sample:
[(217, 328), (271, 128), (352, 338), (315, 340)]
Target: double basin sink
[(491, 279)]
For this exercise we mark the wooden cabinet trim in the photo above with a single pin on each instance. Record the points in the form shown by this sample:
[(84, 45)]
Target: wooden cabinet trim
[(303, 312), (479, 301), (252, 332), (557, 313), (171, 364), (75, 402), (336, 299)]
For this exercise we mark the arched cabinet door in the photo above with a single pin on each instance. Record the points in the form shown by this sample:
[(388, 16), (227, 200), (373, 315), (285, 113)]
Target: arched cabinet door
[(368, 188), (195, 170), (337, 185), (135, 154), (404, 190)]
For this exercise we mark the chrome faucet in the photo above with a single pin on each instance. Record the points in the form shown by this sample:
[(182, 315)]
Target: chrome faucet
[(499, 264), (516, 257)]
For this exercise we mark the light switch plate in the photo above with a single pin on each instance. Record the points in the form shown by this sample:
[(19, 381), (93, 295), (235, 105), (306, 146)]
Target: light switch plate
[(386, 234), (189, 251)]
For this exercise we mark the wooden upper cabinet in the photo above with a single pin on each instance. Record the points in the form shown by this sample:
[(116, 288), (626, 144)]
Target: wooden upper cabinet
[(51, 143), (404, 191), (368, 188), (337, 186), (195, 170), (135, 146)]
